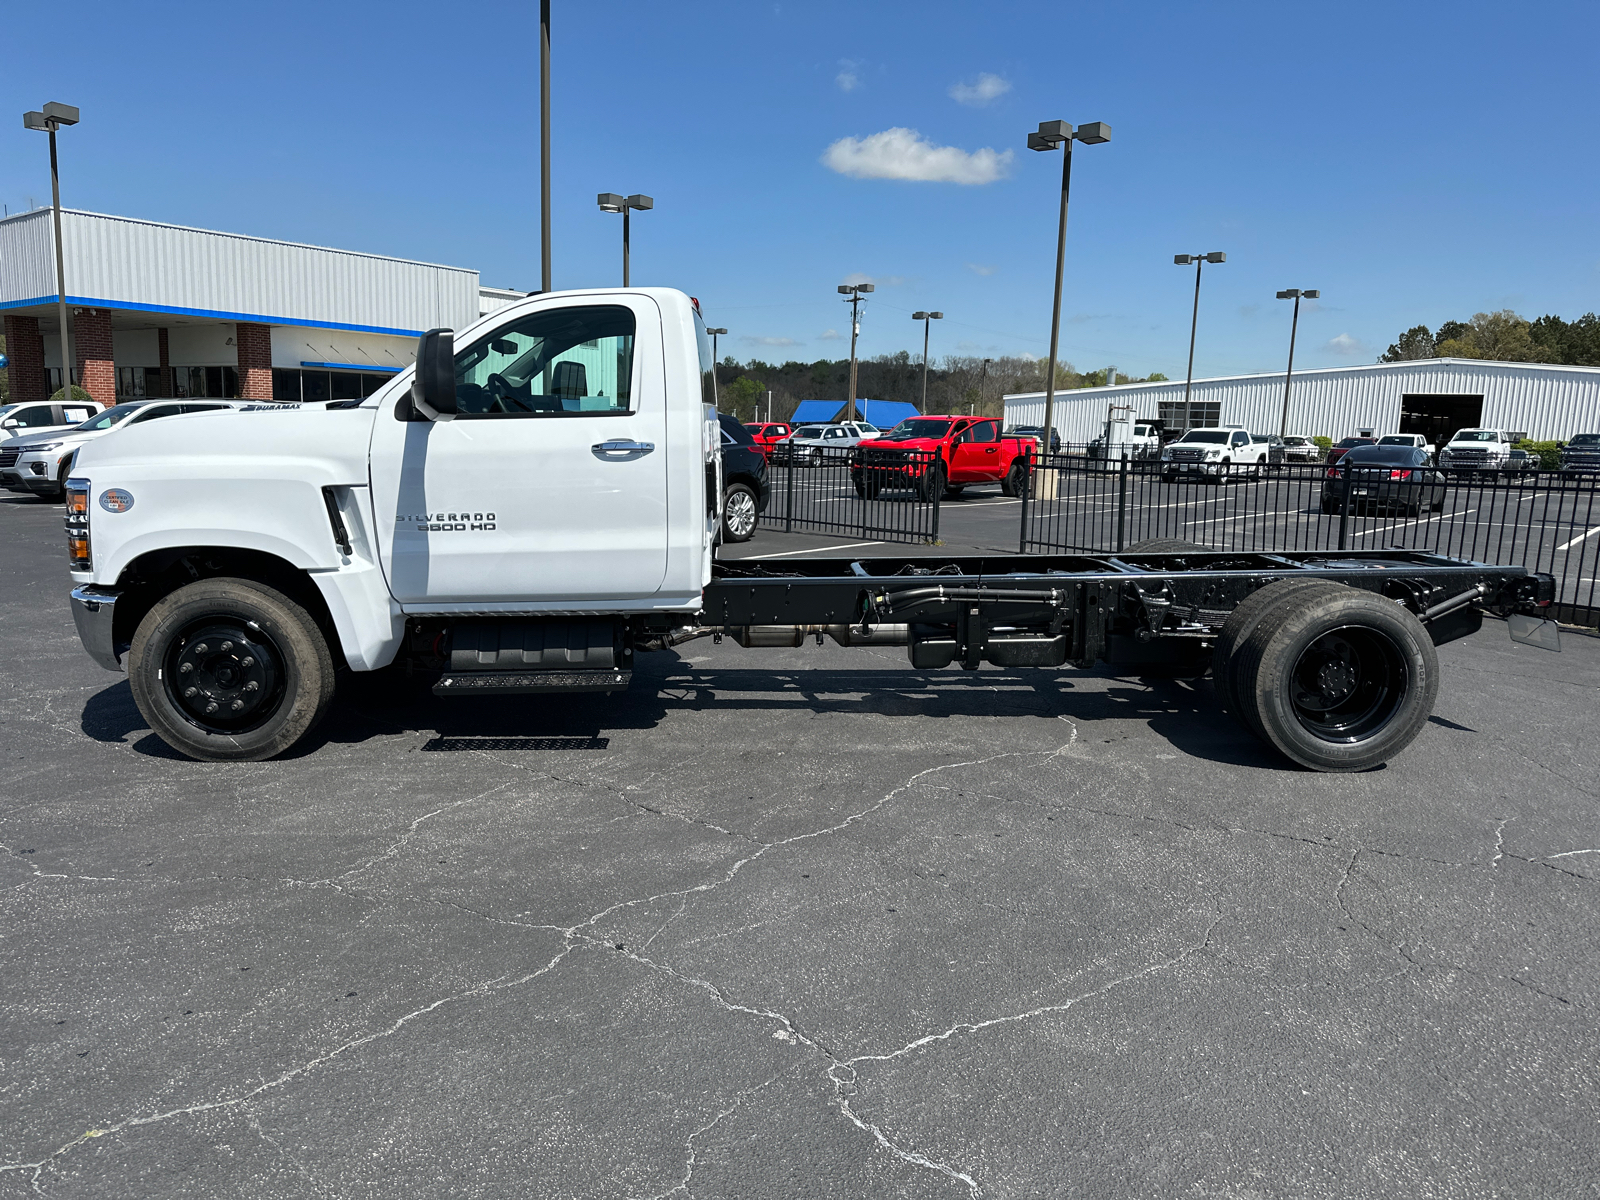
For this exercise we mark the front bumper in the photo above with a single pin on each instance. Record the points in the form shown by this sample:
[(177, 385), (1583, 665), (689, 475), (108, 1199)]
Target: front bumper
[(1200, 466), (92, 609)]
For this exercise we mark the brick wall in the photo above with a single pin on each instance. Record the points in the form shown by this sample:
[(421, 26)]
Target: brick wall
[(25, 349), (91, 345), (254, 344)]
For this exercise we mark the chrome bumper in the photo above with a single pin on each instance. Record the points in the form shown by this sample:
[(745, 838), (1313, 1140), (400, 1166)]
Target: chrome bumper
[(92, 607)]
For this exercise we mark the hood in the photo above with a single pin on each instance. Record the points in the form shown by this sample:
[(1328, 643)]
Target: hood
[(316, 444), (42, 433)]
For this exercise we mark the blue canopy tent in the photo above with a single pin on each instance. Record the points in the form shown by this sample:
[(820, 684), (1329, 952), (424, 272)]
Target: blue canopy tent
[(885, 414)]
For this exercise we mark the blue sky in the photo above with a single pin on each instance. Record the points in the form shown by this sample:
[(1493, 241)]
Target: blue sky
[(1414, 162)]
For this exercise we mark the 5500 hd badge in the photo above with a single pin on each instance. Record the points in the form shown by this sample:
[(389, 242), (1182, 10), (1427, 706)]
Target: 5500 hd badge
[(447, 522)]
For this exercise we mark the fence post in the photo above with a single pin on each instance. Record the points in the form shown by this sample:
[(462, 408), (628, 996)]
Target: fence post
[(1344, 504), (788, 492), (1027, 491), (937, 496), (1122, 503)]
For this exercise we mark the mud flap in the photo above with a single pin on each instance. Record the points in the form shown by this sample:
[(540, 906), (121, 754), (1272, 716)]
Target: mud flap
[(1532, 631)]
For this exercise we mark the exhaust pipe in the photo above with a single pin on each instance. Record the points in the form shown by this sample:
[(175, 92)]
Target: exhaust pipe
[(773, 636)]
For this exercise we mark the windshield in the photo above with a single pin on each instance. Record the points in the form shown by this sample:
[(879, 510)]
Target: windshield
[(1476, 435), (916, 427), (865, 428), (1294, 441), (1397, 439), (1355, 441), (1585, 439), (108, 418), (1213, 437)]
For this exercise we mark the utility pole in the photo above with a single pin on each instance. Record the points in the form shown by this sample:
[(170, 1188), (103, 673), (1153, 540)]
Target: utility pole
[(1199, 260), (544, 144), (51, 119), (925, 318), (855, 292), (1294, 294)]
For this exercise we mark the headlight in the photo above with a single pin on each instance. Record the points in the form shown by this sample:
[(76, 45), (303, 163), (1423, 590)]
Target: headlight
[(1214, 452), (78, 524), (39, 447)]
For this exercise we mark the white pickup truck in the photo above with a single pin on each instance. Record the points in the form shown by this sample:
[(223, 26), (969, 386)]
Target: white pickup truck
[(536, 501), (1476, 450)]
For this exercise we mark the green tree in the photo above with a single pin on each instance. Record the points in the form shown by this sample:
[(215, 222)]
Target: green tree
[(1450, 331), (1502, 336), (77, 394), (1155, 377), (1413, 344), (740, 398)]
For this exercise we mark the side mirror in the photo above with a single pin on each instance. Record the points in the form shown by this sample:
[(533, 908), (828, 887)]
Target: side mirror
[(433, 389), (11, 424)]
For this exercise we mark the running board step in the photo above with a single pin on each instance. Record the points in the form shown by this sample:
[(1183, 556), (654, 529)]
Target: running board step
[(511, 683)]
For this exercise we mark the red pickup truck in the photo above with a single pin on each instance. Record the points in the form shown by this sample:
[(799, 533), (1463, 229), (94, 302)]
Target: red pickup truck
[(768, 434), (941, 456)]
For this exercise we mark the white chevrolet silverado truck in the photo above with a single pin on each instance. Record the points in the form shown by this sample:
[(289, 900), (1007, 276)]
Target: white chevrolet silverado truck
[(536, 502)]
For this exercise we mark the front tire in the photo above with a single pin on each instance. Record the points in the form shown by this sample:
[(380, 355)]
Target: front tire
[(262, 674), (739, 513), (932, 484)]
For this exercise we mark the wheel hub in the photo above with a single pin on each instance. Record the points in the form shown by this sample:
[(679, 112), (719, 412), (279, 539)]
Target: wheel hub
[(1336, 679), (224, 674)]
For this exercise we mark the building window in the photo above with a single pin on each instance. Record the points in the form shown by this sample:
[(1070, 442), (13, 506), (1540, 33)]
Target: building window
[(1203, 414), (130, 383), (285, 386)]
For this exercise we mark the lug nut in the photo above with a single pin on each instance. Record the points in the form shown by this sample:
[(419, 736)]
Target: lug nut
[(185, 668), (212, 707), (190, 691), (200, 648), (247, 661), (226, 646), (252, 686), (237, 705)]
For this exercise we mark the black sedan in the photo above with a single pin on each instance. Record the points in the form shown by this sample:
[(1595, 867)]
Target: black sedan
[(744, 481), (1396, 478)]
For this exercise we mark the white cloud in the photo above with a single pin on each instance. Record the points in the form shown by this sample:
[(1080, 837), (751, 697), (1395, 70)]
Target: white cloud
[(847, 79), (905, 154), (1346, 346), (768, 341), (828, 335), (980, 269), (987, 89)]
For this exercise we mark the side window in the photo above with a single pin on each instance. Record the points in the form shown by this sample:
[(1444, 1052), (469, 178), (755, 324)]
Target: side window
[(156, 411), (35, 416), (562, 361), (985, 431), (963, 434), (1241, 439), (75, 413)]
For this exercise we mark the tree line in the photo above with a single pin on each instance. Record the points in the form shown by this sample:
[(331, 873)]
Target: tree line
[(1506, 337), (956, 384)]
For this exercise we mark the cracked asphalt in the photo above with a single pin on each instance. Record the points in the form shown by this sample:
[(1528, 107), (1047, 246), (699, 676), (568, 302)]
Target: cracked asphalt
[(795, 923)]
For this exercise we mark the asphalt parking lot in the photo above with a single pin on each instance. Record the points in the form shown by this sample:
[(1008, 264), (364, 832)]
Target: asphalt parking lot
[(794, 923)]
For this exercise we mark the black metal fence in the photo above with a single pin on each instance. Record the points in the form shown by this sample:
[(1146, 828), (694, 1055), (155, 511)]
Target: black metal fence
[(1545, 521), (816, 489)]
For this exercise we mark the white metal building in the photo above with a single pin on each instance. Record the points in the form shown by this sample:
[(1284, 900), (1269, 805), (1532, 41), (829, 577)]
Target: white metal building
[(1430, 396), (166, 310)]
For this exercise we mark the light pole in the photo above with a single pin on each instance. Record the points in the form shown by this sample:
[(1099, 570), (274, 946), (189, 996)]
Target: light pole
[(51, 119), (1199, 260), (925, 317), (714, 360), (1294, 294), (544, 144), (855, 291), (611, 202), (1049, 135)]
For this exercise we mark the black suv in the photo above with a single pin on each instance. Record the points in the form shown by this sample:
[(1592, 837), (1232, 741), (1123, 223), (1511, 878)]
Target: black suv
[(1581, 453), (744, 481)]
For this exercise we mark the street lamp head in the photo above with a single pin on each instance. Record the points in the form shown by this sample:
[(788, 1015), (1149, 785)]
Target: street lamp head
[(1183, 260), (1311, 295), (1290, 294), (1037, 141), (919, 316), (718, 331), (1216, 256), (640, 202), (936, 316), (1055, 131), (866, 287), (1094, 133), (35, 120), (845, 289), (610, 202), (61, 114)]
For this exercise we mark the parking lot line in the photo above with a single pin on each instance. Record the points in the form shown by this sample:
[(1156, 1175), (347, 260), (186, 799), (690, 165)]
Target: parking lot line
[(1580, 538), (821, 549)]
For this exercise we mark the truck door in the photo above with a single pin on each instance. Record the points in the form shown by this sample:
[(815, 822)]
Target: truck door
[(550, 483), (975, 454)]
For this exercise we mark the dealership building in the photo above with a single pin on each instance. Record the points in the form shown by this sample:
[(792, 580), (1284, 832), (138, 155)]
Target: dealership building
[(1434, 397), (164, 311)]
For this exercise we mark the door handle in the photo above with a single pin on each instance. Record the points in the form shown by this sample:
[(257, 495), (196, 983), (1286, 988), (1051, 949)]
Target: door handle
[(990, 450), (618, 448)]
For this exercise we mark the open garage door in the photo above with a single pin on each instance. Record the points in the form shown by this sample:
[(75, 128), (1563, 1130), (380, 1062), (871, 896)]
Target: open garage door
[(1437, 417)]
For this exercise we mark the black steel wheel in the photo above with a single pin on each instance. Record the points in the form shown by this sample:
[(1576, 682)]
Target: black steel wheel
[(931, 484), (230, 670), (1336, 678), (739, 513), (1236, 631), (1015, 479)]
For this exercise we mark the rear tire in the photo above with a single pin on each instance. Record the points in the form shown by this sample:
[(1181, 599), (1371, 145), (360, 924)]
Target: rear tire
[(1015, 480), (931, 484), (263, 673), (739, 513), (1335, 678)]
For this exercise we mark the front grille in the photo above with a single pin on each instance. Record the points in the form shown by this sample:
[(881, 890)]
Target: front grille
[(1187, 455), (8, 457)]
